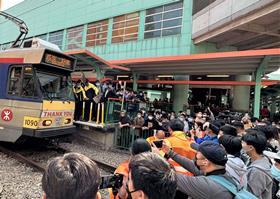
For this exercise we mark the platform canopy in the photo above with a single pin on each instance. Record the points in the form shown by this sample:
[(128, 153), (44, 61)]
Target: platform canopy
[(226, 63), (87, 61)]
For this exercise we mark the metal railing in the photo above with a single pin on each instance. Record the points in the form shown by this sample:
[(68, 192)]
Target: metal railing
[(125, 136)]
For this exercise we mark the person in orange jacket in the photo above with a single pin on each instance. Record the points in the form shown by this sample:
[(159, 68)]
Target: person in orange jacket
[(178, 140), (139, 146)]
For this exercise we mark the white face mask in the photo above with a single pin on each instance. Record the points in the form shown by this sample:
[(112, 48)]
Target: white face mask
[(139, 116), (172, 117), (150, 117)]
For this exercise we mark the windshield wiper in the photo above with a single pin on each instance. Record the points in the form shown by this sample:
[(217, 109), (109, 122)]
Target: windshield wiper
[(46, 93), (64, 99)]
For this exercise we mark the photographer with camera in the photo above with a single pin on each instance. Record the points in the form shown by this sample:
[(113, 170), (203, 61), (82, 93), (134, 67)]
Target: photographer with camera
[(211, 131), (72, 176), (118, 190)]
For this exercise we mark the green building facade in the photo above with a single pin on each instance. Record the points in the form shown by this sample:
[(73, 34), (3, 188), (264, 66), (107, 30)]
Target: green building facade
[(112, 29)]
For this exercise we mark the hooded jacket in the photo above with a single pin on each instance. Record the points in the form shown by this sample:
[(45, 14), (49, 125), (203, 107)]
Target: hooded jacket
[(260, 181), (236, 168)]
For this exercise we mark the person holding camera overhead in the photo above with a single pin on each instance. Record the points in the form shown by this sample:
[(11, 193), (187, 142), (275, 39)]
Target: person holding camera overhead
[(211, 133)]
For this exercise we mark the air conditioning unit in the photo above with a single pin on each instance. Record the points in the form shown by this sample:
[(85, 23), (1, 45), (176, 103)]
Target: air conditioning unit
[(39, 43)]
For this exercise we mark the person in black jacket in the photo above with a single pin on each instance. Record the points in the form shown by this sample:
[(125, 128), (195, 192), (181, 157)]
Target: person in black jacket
[(150, 125), (80, 96), (90, 105)]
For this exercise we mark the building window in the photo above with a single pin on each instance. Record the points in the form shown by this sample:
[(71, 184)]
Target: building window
[(164, 20), (43, 37), (74, 37), (125, 28), (97, 33), (56, 38)]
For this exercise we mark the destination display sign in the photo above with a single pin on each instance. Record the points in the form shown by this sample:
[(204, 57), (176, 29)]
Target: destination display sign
[(57, 60)]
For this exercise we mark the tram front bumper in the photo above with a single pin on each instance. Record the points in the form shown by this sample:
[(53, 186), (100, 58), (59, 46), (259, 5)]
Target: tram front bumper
[(51, 132)]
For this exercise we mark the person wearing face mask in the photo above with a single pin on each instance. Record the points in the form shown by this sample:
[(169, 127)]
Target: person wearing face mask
[(124, 120), (210, 160), (80, 96), (258, 175), (172, 115), (275, 172), (90, 106), (109, 93), (138, 123), (150, 124), (182, 117)]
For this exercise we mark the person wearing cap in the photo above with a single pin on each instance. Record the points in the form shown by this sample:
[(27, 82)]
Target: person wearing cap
[(210, 159), (258, 169), (211, 133)]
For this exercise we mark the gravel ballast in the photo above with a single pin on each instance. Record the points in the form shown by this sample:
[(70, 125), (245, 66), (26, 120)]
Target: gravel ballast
[(18, 181)]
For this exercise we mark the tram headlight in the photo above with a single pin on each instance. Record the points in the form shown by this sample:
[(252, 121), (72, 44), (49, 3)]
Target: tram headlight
[(47, 122), (67, 121)]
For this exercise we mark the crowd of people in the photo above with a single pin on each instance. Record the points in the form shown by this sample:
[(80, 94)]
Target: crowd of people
[(88, 95), (204, 156)]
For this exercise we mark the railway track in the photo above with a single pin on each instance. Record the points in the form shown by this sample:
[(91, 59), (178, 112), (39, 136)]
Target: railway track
[(41, 168), (22, 159)]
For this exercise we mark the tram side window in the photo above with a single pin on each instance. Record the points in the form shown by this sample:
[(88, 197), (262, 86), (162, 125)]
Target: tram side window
[(28, 87), (15, 81)]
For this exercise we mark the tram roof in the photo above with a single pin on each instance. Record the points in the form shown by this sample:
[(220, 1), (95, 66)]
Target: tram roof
[(28, 55), (230, 63), (87, 60)]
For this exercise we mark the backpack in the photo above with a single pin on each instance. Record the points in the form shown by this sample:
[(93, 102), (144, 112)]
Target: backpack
[(275, 183), (238, 194)]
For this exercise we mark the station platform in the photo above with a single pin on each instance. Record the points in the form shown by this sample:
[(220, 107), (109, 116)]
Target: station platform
[(98, 134)]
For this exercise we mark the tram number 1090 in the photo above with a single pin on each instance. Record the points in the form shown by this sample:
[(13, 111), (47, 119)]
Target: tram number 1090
[(30, 122)]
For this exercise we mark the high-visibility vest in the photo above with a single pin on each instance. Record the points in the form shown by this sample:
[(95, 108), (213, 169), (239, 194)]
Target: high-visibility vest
[(151, 139), (122, 169), (181, 145)]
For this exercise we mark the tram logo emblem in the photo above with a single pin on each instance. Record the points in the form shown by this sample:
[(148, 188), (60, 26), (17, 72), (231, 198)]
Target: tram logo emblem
[(7, 115)]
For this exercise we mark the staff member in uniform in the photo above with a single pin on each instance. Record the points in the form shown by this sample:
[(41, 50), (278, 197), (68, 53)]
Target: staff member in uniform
[(80, 96), (91, 92)]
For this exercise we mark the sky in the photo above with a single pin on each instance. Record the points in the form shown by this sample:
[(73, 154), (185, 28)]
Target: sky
[(9, 3)]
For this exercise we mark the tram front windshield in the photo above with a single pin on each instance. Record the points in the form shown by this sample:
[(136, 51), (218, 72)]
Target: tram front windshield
[(55, 86)]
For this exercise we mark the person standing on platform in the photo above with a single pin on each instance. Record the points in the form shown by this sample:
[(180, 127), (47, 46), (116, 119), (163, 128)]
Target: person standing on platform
[(80, 96), (90, 105)]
